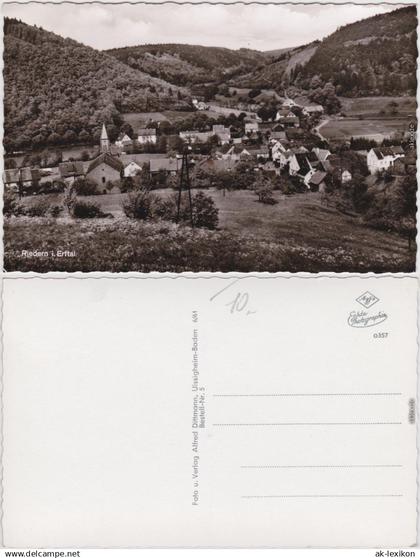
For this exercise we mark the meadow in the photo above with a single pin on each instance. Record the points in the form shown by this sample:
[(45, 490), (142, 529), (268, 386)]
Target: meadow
[(299, 233), (375, 118), (375, 129), (140, 119), (372, 106)]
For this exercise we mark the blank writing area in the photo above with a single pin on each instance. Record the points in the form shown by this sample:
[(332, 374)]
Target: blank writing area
[(96, 413), (309, 417)]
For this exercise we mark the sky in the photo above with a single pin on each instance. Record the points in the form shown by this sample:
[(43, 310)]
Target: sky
[(260, 27)]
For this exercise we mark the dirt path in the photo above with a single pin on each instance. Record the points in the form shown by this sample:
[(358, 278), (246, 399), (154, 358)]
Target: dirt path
[(316, 130)]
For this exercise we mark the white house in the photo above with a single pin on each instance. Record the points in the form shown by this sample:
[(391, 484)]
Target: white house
[(192, 136), (147, 135), (277, 148), (131, 169), (287, 118), (259, 152), (382, 158), (301, 165), (251, 127), (222, 133), (124, 140), (346, 176), (309, 110)]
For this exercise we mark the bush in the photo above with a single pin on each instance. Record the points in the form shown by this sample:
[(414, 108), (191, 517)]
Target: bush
[(166, 208), (265, 195), (39, 209), (127, 184), (42, 209), (85, 187), (86, 210), (56, 210), (48, 187), (11, 205), (205, 212), (141, 205), (264, 190), (146, 205)]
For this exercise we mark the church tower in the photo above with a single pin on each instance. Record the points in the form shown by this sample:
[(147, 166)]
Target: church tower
[(105, 144)]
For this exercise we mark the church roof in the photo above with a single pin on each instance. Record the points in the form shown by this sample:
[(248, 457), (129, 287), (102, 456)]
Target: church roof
[(108, 160), (104, 135)]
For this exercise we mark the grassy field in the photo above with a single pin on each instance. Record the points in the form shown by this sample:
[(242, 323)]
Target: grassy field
[(139, 119), (376, 129), (299, 233), (372, 106)]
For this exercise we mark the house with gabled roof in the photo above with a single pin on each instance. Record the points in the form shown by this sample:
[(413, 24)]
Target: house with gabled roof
[(167, 165), (340, 168), (222, 133), (279, 135), (132, 169), (316, 182), (406, 164), (147, 135), (271, 168), (310, 110), (303, 165), (23, 177), (261, 152), (216, 165), (236, 152), (193, 136), (322, 154), (382, 158), (124, 141), (250, 127), (277, 149), (105, 168), (71, 169), (287, 118)]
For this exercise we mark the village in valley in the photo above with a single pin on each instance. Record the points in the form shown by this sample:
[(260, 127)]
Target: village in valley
[(285, 149), (260, 178)]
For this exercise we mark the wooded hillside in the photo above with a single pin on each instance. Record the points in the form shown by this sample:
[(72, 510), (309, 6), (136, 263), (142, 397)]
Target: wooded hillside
[(57, 90), (188, 64)]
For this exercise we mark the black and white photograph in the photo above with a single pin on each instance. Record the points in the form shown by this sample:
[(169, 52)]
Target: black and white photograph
[(209, 138)]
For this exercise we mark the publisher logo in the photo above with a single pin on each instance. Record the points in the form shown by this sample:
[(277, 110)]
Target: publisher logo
[(360, 318), (367, 299)]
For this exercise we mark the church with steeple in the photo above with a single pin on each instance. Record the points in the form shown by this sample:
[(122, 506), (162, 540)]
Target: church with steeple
[(105, 168), (105, 143)]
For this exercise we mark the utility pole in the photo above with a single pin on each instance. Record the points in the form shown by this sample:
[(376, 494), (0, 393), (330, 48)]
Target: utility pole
[(184, 184)]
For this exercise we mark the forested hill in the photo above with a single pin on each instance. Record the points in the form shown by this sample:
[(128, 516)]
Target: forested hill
[(375, 56), (188, 64), (59, 91)]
